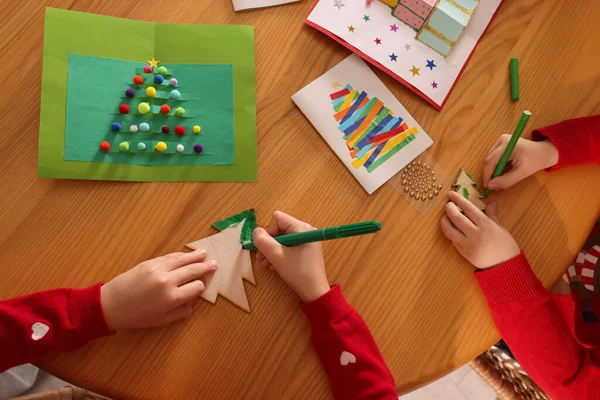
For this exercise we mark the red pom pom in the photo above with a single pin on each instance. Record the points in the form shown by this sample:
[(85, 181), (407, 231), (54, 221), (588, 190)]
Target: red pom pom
[(165, 109), (179, 130), (147, 69), (105, 146), (124, 109), (138, 80), (165, 129)]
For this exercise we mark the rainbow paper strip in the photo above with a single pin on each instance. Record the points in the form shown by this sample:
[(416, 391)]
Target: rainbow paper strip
[(371, 131)]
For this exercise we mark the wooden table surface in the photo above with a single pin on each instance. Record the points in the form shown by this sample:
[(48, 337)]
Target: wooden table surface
[(416, 293)]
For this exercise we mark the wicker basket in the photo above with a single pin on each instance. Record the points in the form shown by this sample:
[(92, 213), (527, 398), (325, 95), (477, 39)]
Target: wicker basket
[(66, 393), (506, 377)]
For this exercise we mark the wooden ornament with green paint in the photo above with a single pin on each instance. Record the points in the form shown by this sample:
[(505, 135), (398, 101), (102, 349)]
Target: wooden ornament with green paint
[(466, 186)]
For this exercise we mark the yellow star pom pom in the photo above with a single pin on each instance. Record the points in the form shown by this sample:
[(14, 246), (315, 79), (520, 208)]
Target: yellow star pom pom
[(150, 92), (196, 129), (143, 108), (161, 146)]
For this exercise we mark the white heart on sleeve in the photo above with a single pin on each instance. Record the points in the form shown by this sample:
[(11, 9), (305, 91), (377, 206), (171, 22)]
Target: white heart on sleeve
[(39, 330), (347, 358)]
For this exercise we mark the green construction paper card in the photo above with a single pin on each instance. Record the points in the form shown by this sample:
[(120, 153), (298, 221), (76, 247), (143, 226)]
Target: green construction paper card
[(70, 32), (91, 102)]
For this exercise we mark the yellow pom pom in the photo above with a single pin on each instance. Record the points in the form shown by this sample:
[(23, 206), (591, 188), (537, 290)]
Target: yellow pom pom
[(196, 129), (161, 146), (150, 92), (143, 108)]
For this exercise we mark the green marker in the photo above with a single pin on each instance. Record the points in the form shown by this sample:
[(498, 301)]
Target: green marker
[(335, 232), (514, 79), (510, 147)]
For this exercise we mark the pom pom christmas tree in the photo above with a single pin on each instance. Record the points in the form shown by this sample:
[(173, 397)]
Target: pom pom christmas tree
[(150, 105), (91, 60), (466, 186), (372, 132), (234, 262)]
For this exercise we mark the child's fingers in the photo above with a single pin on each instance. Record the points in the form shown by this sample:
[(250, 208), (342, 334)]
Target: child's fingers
[(507, 179), (491, 210), (188, 292), (450, 231), (473, 213), (282, 223), (490, 163), (460, 221), (268, 246), (192, 271), (181, 312), (502, 140), (178, 260), (260, 257)]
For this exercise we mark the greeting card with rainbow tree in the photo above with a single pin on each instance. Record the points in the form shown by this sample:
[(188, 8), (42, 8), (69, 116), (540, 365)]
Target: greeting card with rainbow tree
[(372, 132)]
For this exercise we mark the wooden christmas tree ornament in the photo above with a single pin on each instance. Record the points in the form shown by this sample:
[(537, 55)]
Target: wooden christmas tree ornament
[(466, 186)]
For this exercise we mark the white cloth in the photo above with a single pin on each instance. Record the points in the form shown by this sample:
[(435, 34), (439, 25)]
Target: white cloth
[(17, 380)]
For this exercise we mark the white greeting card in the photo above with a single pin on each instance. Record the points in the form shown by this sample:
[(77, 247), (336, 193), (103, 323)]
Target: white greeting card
[(375, 34), (363, 123), (239, 5)]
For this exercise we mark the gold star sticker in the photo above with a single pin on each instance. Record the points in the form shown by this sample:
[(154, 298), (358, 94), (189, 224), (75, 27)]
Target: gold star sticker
[(335, 85), (415, 71), (351, 28), (153, 62)]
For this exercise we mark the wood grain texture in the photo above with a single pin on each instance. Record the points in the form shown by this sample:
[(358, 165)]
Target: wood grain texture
[(416, 293)]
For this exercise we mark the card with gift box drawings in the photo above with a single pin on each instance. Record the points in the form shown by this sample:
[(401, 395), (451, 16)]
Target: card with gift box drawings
[(424, 44)]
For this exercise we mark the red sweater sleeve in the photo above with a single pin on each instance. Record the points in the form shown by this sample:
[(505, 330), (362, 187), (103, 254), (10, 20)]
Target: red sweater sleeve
[(60, 319), (347, 350), (536, 332), (577, 140)]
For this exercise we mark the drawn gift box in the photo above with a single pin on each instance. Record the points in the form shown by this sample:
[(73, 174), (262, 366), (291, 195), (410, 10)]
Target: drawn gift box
[(413, 12), (445, 24), (390, 3)]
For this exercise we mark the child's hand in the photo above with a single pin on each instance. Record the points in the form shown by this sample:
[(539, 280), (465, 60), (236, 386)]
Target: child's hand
[(479, 238), (155, 292), (301, 267), (527, 158)]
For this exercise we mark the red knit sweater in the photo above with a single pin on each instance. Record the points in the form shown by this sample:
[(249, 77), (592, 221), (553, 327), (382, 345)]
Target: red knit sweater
[(555, 338), (64, 319)]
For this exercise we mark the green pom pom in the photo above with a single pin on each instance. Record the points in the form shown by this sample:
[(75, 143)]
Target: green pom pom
[(179, 111), (124, 146), (162, 70)]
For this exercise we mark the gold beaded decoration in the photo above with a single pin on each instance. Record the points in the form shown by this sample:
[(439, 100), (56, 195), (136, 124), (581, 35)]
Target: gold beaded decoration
[(419, 181)]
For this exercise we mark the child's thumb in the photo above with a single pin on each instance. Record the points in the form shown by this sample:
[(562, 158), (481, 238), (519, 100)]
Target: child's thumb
[(268, 246), (491, 211)]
